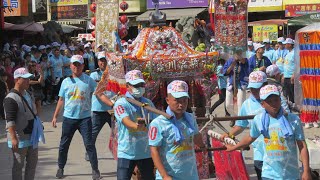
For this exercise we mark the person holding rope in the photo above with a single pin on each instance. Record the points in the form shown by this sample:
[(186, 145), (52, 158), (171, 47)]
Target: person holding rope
[(132, 122), (282, 134), (172, 140)]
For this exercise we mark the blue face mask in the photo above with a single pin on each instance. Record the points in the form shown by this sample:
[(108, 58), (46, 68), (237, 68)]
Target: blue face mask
[(138, 92)]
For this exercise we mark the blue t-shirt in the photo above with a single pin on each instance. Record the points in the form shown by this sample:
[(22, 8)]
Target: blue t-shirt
[(249, 54), (76, 93), (97, 104), (66, 70), (252, 106), (222, 79), (278, 57), (269, 53), (132, 144), (288, 65), (178, 159), (280, 159), (56, 64), (91, 63)]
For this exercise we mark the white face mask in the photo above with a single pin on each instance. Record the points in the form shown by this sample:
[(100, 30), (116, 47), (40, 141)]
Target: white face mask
[(138, 92)]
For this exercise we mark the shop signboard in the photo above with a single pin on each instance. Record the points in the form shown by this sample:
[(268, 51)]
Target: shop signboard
[(265, 32), (72, 2), (166, 4), (87, 36), (19, 8), (294, 10), (261, 5), (69, 12)]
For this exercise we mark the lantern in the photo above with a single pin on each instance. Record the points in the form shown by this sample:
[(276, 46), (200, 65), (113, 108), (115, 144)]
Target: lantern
[(93, 20), (123, 19), (124, 6), (123, 32), (93, 7), (93, 33)]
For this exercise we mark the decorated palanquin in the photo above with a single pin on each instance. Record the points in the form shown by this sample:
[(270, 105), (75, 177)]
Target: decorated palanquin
[(162, 56), (307, 54)]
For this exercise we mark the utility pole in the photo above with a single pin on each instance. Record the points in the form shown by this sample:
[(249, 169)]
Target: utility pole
[(1, 22), (48, 10)]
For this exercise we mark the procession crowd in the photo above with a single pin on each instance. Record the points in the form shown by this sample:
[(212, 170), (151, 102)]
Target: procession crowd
[(35, 76)]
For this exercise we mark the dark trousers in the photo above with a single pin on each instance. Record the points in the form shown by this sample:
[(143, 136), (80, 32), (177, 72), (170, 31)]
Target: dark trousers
[(222, 98), (46, 89), (125, 168), (56, 89), (98, 121), (258, 168), (69, 127), (289, 89)]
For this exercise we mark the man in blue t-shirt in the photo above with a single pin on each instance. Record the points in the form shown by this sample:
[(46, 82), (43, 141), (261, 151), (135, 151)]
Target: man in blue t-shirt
[(282, 134), (250, 52), (172, 140), (280, 54), (56, 65), (132, 122), (288, 73), (101, 103), (268, 51), (75, 97)]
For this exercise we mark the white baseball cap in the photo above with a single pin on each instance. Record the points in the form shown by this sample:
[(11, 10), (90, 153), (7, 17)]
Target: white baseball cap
[(134, 77), (257, 46), (280, 40), (178, 89), (41, 47), (288, 41), (77, 58), (266, 41), (250, 43), (23, 73)]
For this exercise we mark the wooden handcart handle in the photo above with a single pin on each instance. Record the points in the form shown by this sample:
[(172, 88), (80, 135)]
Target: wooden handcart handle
[(233, 118), (148, 107)]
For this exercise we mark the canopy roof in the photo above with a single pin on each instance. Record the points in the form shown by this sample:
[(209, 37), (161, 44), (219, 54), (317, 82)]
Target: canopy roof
[(304, 20)]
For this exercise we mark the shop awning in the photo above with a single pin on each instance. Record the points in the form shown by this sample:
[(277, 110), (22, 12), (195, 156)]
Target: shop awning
[(28, 27), (173, 14), (268, 22), (304, 20)]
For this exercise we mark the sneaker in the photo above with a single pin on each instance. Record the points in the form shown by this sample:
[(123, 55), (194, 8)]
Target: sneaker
[(59, 174), (95, 174), (316, 125), (86, 157), (307, 126)]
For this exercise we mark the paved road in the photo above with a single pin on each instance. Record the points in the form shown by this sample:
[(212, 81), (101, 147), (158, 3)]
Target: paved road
[(77, 168)]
